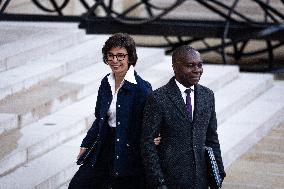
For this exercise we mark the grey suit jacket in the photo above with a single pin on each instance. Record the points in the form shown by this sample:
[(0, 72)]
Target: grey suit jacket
[(179, 159)]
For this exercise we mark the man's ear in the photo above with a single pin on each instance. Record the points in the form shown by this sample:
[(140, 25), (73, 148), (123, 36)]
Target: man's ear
[(174, 67)]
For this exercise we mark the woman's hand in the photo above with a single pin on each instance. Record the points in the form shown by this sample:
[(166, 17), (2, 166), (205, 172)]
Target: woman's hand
[(157, 140), (82, 150)]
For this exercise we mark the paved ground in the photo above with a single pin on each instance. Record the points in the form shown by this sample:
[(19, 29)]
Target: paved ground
[(262, 167)]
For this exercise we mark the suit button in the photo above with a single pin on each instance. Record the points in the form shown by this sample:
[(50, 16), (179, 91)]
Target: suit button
[(117, 157), (116, 173), (102, 118), (118, 123), (194, 146), (118, 106), (117, 140)]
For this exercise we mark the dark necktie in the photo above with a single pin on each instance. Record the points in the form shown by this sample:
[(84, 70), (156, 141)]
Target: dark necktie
[(188, 103)]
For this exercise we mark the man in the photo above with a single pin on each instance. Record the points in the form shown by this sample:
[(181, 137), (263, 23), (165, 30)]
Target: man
[(186, 122)]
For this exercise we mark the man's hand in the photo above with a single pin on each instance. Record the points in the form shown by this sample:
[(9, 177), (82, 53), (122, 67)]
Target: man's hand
[(82, 150), (157, 140)]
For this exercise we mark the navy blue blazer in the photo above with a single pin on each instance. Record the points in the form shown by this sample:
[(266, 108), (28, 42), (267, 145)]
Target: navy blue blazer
[(131, 99)]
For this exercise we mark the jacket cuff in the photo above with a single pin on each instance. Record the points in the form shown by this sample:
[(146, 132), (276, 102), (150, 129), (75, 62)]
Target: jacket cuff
[(161, 182), (223, 174)]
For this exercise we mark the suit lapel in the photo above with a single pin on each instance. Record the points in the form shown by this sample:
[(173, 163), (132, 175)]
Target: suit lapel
[(176, 98), (199, 102)]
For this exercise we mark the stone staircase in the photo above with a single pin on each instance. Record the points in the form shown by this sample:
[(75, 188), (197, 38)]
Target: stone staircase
[(49, 80), (262, 166)]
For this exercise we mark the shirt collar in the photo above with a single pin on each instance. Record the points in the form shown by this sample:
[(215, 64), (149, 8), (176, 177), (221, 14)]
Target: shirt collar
[(183, 88), (129, 76)]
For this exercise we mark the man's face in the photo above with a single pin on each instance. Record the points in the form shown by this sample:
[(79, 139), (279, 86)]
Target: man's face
[(188, 68)]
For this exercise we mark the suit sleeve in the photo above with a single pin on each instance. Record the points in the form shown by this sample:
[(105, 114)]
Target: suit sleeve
[(150, 129), (212, 138)]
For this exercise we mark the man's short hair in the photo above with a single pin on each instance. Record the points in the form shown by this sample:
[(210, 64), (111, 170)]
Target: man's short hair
[(180, 51)]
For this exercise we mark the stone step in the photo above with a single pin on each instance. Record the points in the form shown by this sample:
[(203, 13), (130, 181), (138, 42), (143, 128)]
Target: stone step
[(159, 73), (236, 95), (241, 185), (7, 122), (55, 164), (264, 179), (244, 128), (272, 144), (65, 186), (217, 76), (257, 167), (21, 146), (50, 67), (148, 57), (34, 104), (34, 41), (35, 139), (262, 160)]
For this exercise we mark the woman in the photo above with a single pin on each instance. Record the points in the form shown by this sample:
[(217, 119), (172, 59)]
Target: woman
[(115, 162)]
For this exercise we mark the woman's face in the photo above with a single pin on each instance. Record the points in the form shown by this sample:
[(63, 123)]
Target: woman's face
[(117, 59)]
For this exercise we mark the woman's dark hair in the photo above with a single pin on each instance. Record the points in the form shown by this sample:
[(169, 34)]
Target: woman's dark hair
[(121, 40)]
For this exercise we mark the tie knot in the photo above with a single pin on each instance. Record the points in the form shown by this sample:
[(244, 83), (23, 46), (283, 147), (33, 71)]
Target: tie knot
[(188, 91)]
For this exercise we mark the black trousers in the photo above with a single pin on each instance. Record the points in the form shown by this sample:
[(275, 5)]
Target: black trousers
[(101, 176), (86, 179)]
